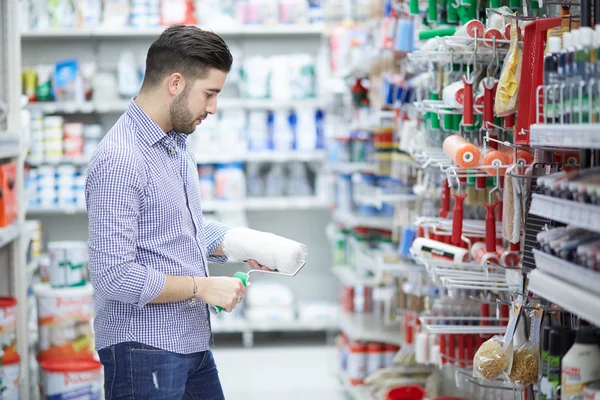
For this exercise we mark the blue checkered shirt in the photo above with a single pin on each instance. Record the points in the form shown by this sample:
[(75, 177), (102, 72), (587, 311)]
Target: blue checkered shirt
[(145, 222)]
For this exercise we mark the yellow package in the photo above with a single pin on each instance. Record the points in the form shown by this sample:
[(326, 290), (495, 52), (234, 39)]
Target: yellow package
[(507, 94)]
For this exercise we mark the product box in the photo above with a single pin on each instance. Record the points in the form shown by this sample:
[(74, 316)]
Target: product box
[(8, 193)]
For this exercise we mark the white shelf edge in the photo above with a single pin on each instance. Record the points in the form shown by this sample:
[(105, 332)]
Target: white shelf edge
[(202, 159), (583, 215), (566, 295), (9, 145), (242, 325), (120, 106), (352, 219), (123, 32), (584, 136), (8, 234), (369, 329), (348, 277), (256, 204)]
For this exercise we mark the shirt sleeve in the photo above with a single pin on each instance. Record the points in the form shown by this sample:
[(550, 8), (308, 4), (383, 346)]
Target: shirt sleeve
[(114, 195), (214, 232)]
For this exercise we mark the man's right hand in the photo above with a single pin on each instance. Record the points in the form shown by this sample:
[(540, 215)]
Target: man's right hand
[(220, 291)]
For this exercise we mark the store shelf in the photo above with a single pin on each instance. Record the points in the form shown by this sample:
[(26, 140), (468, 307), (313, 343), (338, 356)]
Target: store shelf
[(77, 161), (266, 156), (150, 33), (9, 145), (375, 197), (285, 203), (349, 278), (580, 136), (265, 203), (566, 211), (352, 219), (242, 325), (566, 295), (351, 167), (8, 234), (585, 279), (120, 106), (366, 327)]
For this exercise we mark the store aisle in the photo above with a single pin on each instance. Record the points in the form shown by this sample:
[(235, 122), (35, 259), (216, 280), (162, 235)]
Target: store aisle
[(281, 372)]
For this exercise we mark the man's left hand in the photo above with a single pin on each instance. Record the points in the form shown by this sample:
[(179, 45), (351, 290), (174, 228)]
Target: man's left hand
[(253, 264)]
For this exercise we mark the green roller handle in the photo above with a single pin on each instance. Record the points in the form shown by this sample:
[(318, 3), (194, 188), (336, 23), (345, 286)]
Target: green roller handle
[(534, 5), (431, 33), (432, 14), (495, 3), (435, 119), (414, 7), (514, 4), (242, 276), (452, 12)]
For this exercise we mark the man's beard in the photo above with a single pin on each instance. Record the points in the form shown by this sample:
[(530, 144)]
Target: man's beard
[(181, 118)]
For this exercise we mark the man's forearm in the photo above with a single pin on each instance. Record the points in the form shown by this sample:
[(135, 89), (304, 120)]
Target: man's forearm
[(177, 288)]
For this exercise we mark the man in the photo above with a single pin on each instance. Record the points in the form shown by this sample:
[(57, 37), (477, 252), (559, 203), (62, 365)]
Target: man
[(148, 241)]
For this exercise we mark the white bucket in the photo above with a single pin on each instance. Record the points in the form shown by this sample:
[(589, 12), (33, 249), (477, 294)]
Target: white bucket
[(9, 380), (68, 263), (65, 321), (72, 379)]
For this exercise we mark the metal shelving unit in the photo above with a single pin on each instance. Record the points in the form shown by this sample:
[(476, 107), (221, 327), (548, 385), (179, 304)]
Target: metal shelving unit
[(577, 136), (13, 271), (368, 328), (566, 211)]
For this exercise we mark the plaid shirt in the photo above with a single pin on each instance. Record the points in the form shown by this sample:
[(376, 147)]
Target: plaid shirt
[(145, 222)]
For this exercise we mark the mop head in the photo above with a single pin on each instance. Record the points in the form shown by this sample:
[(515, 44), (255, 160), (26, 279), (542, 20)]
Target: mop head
[(272, 251)]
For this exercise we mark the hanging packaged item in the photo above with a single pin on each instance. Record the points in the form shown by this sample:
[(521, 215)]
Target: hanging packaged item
[(526, 359), (507, 94)]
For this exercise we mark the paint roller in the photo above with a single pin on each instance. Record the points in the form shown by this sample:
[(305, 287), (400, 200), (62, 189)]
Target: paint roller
[(495, 159), (464, 154), (510, 258), (433, 249), (489, 93)]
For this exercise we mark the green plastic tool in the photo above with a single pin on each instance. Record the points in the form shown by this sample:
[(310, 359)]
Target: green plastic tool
[(245, 278), (441, 31)]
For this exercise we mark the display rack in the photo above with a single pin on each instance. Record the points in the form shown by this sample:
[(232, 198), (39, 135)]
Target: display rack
[(370, 328), (13, 246), (566, 211)]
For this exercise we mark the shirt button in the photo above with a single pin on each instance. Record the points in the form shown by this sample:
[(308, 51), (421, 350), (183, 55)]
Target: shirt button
[(207, 323)]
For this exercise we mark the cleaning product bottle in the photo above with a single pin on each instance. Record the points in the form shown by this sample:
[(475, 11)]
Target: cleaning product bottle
[(552, 78), (581, 365), (573, 77), (561, 340)]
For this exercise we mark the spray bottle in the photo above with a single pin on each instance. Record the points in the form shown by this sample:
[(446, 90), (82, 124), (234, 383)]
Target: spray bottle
[(552, 78)]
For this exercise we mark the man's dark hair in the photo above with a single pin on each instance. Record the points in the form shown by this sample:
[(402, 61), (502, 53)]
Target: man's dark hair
[(188, 50)]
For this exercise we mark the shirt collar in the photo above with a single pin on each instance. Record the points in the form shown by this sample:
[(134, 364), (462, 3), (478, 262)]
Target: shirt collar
[(151, 132)]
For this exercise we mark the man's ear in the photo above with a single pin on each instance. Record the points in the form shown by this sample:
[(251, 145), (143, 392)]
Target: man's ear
[(175, 84)]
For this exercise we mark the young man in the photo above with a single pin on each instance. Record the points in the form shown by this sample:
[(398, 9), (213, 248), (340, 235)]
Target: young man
[(148, 241)]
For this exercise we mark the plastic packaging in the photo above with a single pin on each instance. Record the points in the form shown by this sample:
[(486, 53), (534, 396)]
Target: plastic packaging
[(492, 358), (581, 364), (507, 94)]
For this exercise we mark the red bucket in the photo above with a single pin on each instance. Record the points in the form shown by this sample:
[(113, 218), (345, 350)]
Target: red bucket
[(408, 392)]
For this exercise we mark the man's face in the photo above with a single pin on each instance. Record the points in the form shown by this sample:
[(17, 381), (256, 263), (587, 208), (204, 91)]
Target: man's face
[(197, 100)]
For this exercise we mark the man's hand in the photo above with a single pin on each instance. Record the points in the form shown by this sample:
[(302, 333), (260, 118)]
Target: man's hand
[(253, 264), (221, 291)]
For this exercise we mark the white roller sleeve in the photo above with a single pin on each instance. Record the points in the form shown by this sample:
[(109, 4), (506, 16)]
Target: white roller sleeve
[(269, 250)]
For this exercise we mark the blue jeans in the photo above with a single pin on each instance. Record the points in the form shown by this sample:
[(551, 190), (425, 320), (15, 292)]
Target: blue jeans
[(136, 371)]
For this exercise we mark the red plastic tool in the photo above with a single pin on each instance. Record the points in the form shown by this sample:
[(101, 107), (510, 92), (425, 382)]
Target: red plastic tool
[(489, 93), (457, 218), (468, 115), (532, 74)]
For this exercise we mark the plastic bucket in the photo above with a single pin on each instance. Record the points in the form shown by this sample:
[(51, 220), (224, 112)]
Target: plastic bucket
[(8, 325), (65, 321), (68, 263), (72, 379), (408, 392), (10, 369)]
